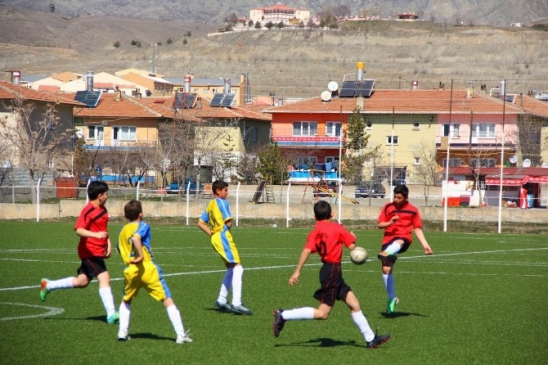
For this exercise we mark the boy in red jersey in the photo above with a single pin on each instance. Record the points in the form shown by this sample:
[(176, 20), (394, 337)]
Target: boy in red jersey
[(93, 248), (398, 218), (327, 239)]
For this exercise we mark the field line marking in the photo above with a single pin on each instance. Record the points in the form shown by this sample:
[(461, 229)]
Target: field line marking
[(52, 311), (308, 265)]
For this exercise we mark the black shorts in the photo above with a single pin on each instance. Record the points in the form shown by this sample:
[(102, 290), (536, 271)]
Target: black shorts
[(390, 260), (403, 248), (333, 285), (91, 267)]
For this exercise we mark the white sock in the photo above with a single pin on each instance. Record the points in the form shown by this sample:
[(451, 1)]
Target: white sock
[(65, 283), (393, 249), (237, 285), (225, 286), (362, 324), (176, 320), (298, 314), (123, 327), (390, 288), (108, 300)]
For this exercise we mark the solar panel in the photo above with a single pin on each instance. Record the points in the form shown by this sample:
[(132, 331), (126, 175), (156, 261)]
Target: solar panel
[(89, 97), (365, 88), (184, 100), (228, 100), (348, 89), (216, 101)]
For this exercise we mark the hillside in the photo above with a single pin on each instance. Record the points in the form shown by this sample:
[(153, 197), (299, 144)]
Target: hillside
[(279, 62), (485, 12)]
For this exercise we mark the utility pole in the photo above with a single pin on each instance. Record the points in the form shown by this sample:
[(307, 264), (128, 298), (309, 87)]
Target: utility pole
[(153, 60)]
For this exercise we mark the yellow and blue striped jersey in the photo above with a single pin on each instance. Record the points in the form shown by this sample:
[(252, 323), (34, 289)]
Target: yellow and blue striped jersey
[(125, 244), (216, 214)]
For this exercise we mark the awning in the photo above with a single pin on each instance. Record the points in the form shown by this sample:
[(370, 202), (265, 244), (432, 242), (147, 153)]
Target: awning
[(515, 180)]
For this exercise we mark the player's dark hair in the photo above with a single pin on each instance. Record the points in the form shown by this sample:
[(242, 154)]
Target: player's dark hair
[(132, 209), (218, 185), (402, 189), (95, 188), (322, 210)]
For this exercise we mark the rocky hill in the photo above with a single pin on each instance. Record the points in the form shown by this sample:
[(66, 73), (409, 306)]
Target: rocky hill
[(470, 12), (292, 63)]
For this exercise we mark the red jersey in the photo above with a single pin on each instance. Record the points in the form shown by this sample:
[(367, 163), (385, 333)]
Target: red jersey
[(327, 240), (93, 219), (409, 218)]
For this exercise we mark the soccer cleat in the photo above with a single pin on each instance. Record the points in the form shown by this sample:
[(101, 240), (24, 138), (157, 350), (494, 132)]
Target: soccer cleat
[(240, 309), (385, 256), (391, 305), (123, 336), (113, 318), (44, 291), (222, 307), (378, 340), (183, 339), (279, 322)]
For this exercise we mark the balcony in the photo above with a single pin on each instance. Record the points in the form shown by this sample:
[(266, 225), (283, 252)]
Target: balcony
[(326, 142)]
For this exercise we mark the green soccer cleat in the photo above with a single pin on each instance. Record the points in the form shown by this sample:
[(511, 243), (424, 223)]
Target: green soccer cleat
[(222, 307), (391, 305), (113, 318), (44, 291), (240, 309)]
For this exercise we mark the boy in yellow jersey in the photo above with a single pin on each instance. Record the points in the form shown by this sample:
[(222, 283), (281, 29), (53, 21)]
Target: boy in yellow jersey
[(216, 222), (142, 272)]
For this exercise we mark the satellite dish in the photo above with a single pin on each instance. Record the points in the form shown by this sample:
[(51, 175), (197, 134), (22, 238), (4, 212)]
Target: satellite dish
[(526, 163), (325, 95), (513, 159), (333, 86)]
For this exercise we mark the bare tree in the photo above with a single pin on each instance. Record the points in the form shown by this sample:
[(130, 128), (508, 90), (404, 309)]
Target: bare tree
[(426, 172), (529, 139), (37, 135)]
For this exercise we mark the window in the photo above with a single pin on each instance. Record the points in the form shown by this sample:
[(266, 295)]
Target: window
[(417, 160), (250, 134), (454, 162), (483, 162), (333, 129), (451, 130), (95, 132), (124, 133), (416, 126), (368, 125), (307, 162), (305, 128), (483, 130), (332, 162), (392, 140)]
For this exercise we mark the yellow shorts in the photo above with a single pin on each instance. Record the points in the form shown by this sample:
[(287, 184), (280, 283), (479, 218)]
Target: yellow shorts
[(145, 275), (224, 245)]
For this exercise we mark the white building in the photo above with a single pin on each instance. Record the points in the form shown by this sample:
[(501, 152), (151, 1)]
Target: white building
[(279, 13)]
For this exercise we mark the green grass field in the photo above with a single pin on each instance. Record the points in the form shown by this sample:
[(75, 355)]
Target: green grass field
[(480, 299)]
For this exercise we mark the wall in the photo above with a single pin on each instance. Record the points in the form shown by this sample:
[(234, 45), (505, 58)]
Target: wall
[(72, 208)]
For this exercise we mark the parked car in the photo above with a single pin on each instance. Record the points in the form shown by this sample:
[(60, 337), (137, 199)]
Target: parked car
[(370, 188), (326, 188), (176, 188)]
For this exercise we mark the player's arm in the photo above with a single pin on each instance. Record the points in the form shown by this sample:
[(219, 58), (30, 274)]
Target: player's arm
[(294, 279), (391, 221), (138, 248), (108, 250), (420, 235), (204, 227), (82, 232)]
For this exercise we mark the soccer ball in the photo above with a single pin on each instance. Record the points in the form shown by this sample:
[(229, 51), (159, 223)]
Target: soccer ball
[(358, 255)]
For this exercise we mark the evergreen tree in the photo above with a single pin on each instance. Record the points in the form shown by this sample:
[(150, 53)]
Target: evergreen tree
[(272, 164), (356, 142)]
